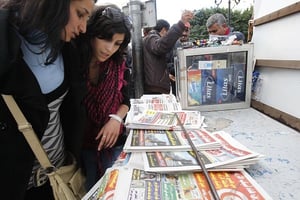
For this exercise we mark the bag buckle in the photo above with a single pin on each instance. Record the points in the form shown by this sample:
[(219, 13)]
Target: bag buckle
[(41, 175)]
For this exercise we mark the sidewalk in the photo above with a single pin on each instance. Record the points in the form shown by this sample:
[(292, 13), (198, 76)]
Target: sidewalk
[(279, 171)]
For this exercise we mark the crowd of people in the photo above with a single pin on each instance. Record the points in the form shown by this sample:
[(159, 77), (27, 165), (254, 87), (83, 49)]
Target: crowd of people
[(161, 43), (63, 62)]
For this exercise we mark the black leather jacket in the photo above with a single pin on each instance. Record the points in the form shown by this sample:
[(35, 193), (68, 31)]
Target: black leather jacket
[(155, 49)]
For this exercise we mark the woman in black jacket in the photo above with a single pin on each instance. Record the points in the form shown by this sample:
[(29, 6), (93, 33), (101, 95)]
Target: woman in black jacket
[(45, 85)]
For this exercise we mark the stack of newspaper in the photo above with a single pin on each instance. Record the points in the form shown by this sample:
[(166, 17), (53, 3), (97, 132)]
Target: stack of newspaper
[(157, 138), (164, 154), (140, 107), (157, 161), (231, 156), (158, 112), (152, 102), (123, 183)]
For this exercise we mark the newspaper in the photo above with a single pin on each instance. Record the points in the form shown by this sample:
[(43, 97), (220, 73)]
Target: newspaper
[(165, 120), (162, 102), (140, 140), (135, 184), (105, 188), (232, 155), (155, 98)]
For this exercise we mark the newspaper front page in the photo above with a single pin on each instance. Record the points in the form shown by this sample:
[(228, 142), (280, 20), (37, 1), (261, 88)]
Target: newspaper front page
[(165, 120), (140, 140), (135, 184)]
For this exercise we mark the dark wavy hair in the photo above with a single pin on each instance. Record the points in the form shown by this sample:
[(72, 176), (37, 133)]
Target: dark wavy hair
[(40, 22), (106, 21)]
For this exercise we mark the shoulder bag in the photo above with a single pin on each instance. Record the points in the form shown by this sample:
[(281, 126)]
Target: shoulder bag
[(67, 182)]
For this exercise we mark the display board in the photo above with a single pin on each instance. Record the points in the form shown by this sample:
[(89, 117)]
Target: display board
[(214, 78)]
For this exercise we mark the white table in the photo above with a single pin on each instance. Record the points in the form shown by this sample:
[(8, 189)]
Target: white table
[(279, 171)]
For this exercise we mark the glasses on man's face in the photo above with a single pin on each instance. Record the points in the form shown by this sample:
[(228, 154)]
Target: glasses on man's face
[(117, 16)]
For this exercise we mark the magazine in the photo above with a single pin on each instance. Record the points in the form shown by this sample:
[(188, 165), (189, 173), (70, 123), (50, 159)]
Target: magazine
[(165, 120), (140, 140), (232, 155), (135, 184)]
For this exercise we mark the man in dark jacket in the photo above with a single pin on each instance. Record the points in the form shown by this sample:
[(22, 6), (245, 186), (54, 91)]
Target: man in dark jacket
[(156, 45)]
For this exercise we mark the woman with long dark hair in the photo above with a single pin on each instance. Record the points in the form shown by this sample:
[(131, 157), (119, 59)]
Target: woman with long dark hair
[(36, 72), (107, 78)]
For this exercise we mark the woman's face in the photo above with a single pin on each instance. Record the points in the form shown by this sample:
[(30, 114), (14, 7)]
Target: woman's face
[(80, 11), (103, 49)]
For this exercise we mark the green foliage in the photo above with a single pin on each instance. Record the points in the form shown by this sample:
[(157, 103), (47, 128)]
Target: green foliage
[(238, 20)]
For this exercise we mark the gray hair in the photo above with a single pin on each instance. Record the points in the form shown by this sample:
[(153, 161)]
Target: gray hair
[(215, 18)]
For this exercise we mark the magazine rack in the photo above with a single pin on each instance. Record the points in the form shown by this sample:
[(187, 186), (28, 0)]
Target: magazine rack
[(214, 78)]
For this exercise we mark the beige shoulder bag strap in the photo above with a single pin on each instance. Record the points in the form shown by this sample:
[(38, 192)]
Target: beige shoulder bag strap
[(67, 186), (25, 127)]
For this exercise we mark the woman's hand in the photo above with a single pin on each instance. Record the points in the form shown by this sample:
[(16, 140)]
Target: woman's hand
[(109, 134)]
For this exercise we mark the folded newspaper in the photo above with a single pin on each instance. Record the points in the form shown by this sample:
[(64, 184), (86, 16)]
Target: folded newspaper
[(165, 120), (140, 140), (232, 155), (162, 102), (135, 184)]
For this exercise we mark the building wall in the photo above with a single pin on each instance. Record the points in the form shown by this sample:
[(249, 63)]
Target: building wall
[(276, 41)]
